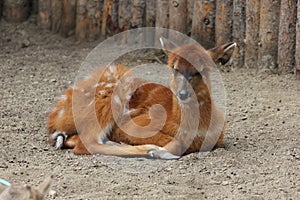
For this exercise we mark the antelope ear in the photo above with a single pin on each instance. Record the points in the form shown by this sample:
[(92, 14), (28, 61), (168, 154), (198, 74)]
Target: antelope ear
[(223, 53), (167, 45), (45, 185)]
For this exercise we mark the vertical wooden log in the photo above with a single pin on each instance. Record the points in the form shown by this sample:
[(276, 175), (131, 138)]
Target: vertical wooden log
[(150, 21), (287, 35), (150, 13), (269, 29), (44, 19), (56, 15), (68, 22), (124, 15), (34, 6), (82, 24), (223, 30), (1, 8), (162, 18), (252, 33), (138, 19), (297, 55), (203, 27), (178, 15), (238, 32), (190, 9), (110, 18), (124, 18), (16, 11), (88, 19), (94, 9)]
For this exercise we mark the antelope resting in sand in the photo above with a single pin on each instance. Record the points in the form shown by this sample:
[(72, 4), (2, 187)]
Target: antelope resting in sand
[(191, 121)]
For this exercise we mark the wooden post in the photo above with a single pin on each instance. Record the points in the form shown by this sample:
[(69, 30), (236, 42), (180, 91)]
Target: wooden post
[(16, 11), (238, 32), (110, 18), (252, 33), (95, 9), (124, 15), (190, 9), (68, 21), (150, 13), (297, 55), (223, 30), (287, 35), (56, 15), (138, 19), (44, 19), (88, 20), (34, 6), (1, 8), (203, 26), (178, 15), (124, 18), (82, 24), (269, 29), (162, 18), (150, 21)]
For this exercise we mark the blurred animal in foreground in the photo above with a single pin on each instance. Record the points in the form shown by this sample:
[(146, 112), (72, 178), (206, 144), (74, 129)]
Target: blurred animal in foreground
[(25, 192)]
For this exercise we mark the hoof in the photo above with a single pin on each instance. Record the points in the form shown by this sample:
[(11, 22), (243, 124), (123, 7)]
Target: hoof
[(59, 138), (162, 153)]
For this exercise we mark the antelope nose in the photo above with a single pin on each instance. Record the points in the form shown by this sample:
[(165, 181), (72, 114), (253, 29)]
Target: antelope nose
[(183, 94)]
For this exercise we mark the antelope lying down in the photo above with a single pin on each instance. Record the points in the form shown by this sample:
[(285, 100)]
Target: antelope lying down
[(191, 116)]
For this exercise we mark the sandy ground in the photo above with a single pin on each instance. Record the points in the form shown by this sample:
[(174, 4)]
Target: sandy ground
[(261, 158)]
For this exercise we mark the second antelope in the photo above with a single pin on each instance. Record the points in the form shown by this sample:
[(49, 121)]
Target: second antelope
[(111, 113)]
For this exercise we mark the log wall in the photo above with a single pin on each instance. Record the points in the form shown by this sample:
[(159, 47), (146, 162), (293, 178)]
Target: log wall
[(266, 32)]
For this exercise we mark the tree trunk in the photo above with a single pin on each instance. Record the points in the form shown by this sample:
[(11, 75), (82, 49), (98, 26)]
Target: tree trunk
[(162, 18), (223, 30), (138, 18), (252, 33), (56, 15), (16, 11), (110, 18), (95, 9), (1, 8), (238, 31), (150, 21), (124, 18), (82, 22), (138, 13), (287, 35), (190, 9), (68, 22), (297, 55), (124, 15), (44, 19), (178, 15), (88, 20), (269, 28), (203, 27), (34, 6)]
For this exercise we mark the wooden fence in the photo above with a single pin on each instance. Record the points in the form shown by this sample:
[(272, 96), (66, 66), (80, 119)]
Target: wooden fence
[(267, 31)]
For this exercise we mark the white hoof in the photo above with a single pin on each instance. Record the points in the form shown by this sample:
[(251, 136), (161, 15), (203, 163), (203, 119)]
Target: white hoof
[(162, 153), (60, 138)]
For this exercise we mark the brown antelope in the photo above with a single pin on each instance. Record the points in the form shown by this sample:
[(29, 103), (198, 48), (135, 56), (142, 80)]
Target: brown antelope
[(187, 119)]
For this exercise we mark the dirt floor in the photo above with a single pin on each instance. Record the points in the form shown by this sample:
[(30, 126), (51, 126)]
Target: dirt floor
[(261, 158)]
